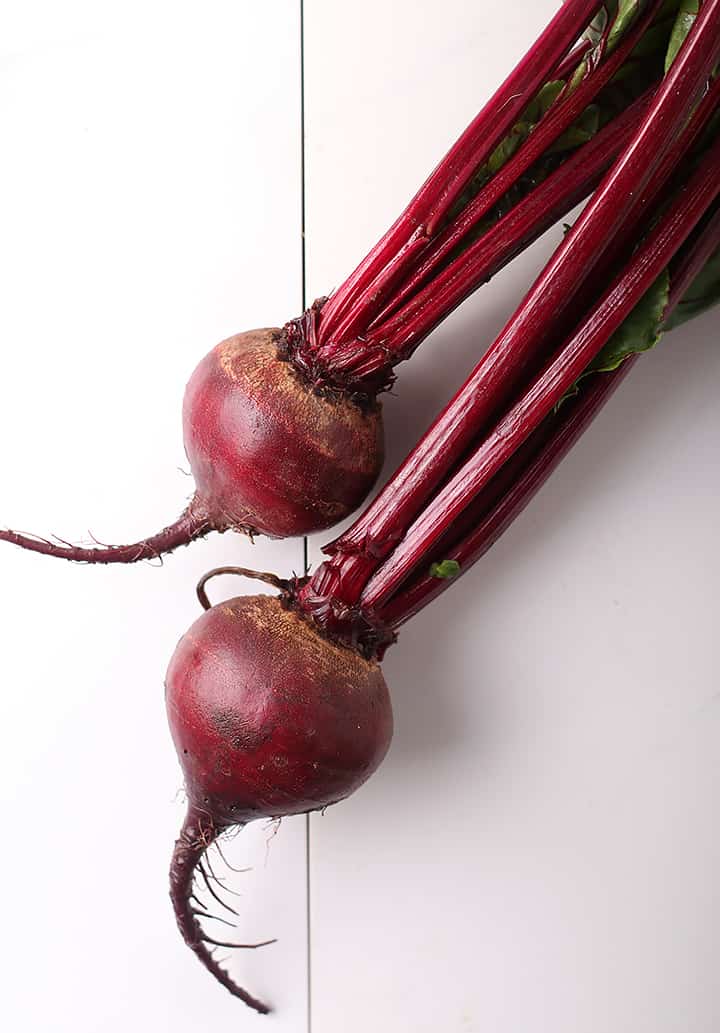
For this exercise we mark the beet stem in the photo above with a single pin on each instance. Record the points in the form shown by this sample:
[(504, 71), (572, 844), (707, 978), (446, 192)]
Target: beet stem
[(517, 485), (606, 219), (648, 262), (572, 59), (446, 183), (692, 260), (574, 417), (194, 523), (197, 834), (429, 303), (578, 172), (558, 119)]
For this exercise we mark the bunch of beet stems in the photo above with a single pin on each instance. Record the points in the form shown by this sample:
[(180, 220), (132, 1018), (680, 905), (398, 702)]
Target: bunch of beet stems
[(539, 147), (428, 262), (312, 696), (507, 495), (654, 194)]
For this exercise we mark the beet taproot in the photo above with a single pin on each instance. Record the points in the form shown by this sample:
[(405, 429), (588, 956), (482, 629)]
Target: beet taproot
[(270, 454)]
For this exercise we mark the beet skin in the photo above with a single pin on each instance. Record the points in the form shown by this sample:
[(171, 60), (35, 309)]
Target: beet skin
[(269, 718), (267, 452), (270, 454)]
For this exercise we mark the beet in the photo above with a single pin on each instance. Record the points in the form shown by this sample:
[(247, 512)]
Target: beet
[(269, 718), (277, 705), (282, 427), (270, 454)]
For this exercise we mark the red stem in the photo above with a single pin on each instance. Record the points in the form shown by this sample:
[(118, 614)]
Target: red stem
[(557, 120), (446, 183), (692, 261), (571, 61), (522, 478), (434, 303), (500, 371), (518, 483), (396, 339), (432, 260), (651, 258)]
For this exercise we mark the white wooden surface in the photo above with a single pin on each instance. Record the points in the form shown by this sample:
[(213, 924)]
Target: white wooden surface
[(539, 851), (150, 206)]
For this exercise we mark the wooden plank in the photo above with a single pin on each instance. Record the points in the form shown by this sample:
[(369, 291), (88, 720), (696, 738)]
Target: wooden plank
[(150, 206), (539, 851)]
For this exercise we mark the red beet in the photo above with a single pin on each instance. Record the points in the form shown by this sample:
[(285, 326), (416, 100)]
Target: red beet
[(269, 454), (269, 718), (282, 428)]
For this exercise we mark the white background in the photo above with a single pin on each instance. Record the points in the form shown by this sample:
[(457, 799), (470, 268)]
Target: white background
[(539, 851)]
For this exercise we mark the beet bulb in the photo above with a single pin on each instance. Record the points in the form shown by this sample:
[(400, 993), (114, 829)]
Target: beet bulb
[(270, 453), (269, 718)]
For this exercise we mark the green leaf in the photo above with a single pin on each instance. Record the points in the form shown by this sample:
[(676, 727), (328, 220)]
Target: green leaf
[(445, 570), (653, 41), (628, 11), (669, 9), (545, 99), (622, 15), (637, 74), (507, 147), (519, 133), (703, 293), (639, 332), (684, 22), (596, 28), (580, 132)]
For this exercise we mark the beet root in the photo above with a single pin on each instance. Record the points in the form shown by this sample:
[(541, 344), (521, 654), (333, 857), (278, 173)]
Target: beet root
[(196, 837), (269, 718), (270, 454)]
